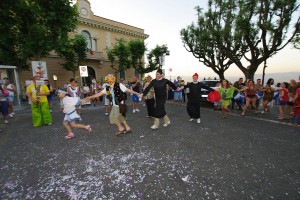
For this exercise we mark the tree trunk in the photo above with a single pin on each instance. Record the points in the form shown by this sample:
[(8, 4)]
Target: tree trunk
[(264, 70)]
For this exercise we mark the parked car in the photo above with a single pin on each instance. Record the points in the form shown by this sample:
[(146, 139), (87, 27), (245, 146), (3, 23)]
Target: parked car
[(209, 83)]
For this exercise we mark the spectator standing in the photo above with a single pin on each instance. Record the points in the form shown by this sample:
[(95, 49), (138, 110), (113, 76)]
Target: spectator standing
[(74, 91), (39, 107), (4, 104), (135, 84), (11, 90), (149, 98), (50, 96)]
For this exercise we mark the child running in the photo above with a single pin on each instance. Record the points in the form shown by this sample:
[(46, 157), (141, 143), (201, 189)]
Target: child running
[(71, 116)]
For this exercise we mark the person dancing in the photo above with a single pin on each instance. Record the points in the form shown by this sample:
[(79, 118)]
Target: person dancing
[(194, 98), (117, 94), (160, 90), (71, 116), (226, 92)]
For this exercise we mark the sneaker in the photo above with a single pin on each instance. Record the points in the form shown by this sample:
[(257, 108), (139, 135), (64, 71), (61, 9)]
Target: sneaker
[(106, 113), (198, 121), (49, 124), (11, 115), (262, 112), (243, 114), (5, 121), (154, 127), (133, 111), (80, 119), (137, 110), (51, 110), (166, 124), (191, 119)]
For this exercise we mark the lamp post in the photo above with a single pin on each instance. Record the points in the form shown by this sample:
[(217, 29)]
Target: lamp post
[(163, 53), (55, 79)]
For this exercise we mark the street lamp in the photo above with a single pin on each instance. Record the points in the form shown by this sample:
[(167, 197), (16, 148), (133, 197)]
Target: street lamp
[(163, 53), (55, 79)]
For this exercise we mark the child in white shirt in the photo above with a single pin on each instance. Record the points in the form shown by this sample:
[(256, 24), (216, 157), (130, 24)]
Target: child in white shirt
[(71, 116)]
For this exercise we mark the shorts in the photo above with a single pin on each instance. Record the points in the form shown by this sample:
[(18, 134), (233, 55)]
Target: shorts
[(4, 107), (106, 100), (135, 98), (282, 103), (290, 103), (72, 117), (11, 98)]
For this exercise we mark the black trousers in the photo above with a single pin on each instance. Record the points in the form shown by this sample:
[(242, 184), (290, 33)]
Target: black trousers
[(150, 106), (193, 109)]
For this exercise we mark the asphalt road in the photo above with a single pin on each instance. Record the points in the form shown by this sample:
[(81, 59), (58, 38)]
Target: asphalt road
[(251, 157)]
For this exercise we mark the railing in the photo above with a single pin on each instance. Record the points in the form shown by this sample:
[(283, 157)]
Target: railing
[(95, 55)]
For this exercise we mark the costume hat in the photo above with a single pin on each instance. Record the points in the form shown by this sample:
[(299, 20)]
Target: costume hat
[(195, 74)]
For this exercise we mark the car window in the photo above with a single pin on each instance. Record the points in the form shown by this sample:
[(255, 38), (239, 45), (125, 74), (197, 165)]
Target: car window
[(210, 83)]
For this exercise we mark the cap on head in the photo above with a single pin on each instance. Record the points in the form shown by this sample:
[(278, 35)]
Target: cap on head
[(62, 92), (195, 75)]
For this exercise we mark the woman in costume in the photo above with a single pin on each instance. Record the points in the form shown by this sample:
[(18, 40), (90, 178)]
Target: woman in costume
[(116, 92), (160, 89), (226, 92)]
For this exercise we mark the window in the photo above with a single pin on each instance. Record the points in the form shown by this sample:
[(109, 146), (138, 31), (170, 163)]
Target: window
[(94, 44), (87, 37)]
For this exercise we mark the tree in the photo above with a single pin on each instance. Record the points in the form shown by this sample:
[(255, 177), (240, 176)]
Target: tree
[(153, 58), (119, 52), (137, 50), (246, 32), (259, 29), (74, 51), (198, 40), (30, 29)]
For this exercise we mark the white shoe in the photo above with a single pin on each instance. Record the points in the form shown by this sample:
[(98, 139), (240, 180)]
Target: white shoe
[(49, 124), (154, 127), (133, 111), (198, 121), (106, 114), (262, 112), (51, 110), (11, 115), (191, 119), (137, 110), (5, 121), (166, 124)]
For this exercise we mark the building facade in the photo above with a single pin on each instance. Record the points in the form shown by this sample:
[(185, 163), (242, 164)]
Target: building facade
[(99, 33)]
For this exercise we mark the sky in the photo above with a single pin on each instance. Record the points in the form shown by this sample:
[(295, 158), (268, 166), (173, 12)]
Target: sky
[(162, 20)]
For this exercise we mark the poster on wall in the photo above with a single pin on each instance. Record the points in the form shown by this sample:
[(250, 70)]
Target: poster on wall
[(39, 68), (3, 74)]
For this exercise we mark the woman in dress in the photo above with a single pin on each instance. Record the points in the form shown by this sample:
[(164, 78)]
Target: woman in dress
[(226, 92)]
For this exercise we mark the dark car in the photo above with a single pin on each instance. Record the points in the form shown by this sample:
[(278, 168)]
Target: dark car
[(209, 83)]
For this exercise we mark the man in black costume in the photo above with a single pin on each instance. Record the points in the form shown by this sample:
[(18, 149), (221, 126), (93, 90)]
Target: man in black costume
[(160, 90), (194, 96)]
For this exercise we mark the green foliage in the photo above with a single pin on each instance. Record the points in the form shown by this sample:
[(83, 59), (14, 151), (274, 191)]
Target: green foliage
[(245, 31), (153, 58), (126, 55), (30, 29), (74, 51)]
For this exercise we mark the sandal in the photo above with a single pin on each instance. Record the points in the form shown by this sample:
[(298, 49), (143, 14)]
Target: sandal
[(128, 131), (120, 132), (88, 128), (70, 136)]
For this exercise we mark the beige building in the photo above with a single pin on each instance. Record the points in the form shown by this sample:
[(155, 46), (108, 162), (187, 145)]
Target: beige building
[(99, 33)]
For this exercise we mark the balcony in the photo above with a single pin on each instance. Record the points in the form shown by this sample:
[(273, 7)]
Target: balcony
[(95, 55)]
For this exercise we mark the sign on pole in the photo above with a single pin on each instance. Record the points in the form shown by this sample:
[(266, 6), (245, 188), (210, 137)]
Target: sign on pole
[(83, 71)]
